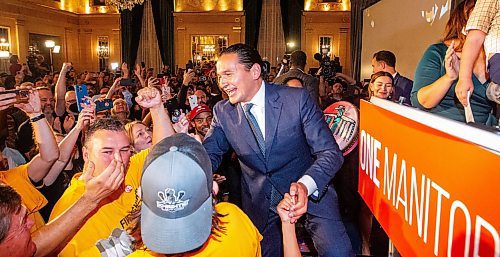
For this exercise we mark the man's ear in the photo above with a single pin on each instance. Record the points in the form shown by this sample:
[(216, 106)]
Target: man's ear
[(256, 71), (85, 153), (383, 65)]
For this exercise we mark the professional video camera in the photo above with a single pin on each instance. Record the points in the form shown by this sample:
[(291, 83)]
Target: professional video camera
[(328, 67)]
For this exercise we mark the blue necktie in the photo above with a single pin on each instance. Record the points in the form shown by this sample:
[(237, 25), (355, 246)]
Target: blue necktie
[(255, 128), (275, 196)]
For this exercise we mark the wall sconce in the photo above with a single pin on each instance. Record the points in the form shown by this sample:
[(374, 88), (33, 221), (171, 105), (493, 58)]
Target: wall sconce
[(103, 47), (50, 43), (57, 49), (4, 48), (103, 51)]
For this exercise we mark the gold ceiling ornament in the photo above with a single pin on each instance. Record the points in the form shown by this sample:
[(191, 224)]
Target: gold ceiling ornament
[(124, 4)]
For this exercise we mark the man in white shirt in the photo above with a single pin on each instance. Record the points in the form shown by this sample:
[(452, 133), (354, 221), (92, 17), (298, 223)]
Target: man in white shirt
[(284, 146)]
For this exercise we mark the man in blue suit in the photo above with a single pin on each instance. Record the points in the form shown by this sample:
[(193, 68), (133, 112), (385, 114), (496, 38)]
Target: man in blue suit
[(283, 145)]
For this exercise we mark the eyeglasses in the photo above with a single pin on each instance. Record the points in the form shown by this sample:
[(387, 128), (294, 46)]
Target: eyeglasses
[(201, 120)]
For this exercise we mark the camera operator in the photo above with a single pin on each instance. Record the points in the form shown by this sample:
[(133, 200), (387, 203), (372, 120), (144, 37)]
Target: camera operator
[(297, 64), (340, 87)]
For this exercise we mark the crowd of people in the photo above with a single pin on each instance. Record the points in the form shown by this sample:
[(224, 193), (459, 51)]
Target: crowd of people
[(219, 159)]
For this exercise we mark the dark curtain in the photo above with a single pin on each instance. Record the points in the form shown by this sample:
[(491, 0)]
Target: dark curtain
[(164, 26), (131, 26), (253, 11), (357, 7), (291, 15)]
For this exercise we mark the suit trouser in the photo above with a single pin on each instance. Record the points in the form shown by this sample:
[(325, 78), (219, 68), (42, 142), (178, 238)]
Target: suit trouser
[(329, 237)]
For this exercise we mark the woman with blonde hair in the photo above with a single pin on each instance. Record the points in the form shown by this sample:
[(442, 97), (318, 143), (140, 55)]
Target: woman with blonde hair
[(139, 135)]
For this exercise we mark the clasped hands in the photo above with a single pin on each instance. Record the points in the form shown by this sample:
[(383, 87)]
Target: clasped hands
[(294, 203)]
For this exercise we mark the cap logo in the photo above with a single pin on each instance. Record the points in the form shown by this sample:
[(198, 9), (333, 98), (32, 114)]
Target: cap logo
[(170, 201)]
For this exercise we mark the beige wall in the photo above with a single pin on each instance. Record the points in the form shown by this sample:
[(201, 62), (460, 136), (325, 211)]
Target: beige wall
[(208, 5), (78, 33), (319, 5), (332, 23), (206, 23)]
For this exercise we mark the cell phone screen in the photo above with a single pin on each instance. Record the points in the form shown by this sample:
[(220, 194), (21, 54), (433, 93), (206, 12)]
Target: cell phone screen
[(193, 101), (81, 92)]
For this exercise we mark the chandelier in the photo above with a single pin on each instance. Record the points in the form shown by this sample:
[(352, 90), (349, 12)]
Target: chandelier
[(124, 4)]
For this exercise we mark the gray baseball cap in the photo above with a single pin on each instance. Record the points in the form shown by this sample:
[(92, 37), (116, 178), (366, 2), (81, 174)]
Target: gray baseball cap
[(176, 186)]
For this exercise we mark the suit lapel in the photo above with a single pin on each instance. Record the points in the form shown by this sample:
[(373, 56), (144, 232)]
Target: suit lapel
[(273, 113), (242, 124)]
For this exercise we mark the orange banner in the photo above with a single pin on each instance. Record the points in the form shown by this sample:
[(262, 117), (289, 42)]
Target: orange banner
[(433, 193)]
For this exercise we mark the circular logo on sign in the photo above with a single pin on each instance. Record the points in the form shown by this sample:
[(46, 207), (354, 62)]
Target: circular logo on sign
[(343, 120)]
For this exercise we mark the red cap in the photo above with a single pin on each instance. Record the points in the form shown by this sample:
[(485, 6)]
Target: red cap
[(197, 110)]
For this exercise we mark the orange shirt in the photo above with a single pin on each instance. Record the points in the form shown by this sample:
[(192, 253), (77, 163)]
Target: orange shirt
[(18, 179)]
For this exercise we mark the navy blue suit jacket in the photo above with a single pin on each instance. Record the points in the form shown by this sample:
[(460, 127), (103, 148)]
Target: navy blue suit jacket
[(298, 142), (402, 87)]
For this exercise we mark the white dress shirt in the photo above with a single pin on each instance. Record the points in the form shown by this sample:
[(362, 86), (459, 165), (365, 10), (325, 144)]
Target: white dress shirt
[(259, 108), (259, 112)]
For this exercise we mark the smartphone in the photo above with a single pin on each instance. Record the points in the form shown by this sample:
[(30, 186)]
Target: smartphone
[(176, 114), (102, 105), (126, 82), (22, 95), (81, 92), (193, 101)]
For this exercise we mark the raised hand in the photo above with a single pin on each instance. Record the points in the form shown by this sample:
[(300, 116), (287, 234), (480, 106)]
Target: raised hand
[(125, 70), (6, 100), (149, 97), (182, 126), (451, 62), (86, 116), (137, 70), (188, 77), (153, 82), (66, 67), (33, 106)]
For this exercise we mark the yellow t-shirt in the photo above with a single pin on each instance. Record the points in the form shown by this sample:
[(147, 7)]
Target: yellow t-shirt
[(18, 179), (241, 238), (109, 216)]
